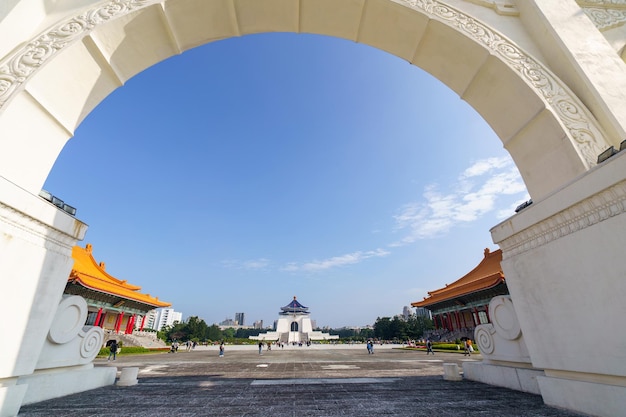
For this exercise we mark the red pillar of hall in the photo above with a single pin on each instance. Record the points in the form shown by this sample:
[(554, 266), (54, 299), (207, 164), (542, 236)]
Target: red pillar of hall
[(131, 325), (98, 316), (143, 322), (118, 324)]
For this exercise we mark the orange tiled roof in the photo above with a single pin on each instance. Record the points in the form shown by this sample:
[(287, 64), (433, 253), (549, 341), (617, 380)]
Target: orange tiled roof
[(487, 274), (92, 275)]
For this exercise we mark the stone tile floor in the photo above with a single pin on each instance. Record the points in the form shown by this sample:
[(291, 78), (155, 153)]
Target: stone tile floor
[(295, 381)]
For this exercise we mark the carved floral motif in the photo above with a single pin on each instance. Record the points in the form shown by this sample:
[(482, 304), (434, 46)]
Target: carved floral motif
[(23, 63), (606, 19)]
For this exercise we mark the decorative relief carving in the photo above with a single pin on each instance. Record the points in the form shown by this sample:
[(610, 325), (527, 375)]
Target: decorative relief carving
[(502, 339), (605, 14), (69, 341), (606, 19), (583, 129), (484, 338), (15, 69), (574, 116), (599, 207)]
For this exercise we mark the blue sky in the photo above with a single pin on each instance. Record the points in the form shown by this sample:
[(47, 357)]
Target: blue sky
[(246, 171)]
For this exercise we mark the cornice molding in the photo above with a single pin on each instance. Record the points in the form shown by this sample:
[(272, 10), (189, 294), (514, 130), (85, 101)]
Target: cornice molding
[(36, 232), (604, 205)]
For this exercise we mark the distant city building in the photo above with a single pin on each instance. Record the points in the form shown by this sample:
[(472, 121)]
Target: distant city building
[(227, 322), (294, 326), (239, 319), (167, 317), (423, 312), (151, 319), (258, 324), (407, 312)]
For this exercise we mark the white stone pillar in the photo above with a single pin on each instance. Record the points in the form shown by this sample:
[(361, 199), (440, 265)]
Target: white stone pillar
[(36, 241), (581, 56), (563, 258)]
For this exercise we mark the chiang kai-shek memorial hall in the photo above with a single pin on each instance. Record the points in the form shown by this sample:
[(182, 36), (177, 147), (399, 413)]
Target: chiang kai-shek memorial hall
[(458, 308), (113, 304), (294, 326)]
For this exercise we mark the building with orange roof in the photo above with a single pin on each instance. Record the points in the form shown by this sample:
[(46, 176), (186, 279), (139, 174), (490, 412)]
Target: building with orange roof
[(113, 304), (459, 307)]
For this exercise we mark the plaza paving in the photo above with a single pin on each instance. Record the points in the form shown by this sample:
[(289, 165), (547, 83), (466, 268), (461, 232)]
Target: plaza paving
[(295, 381)]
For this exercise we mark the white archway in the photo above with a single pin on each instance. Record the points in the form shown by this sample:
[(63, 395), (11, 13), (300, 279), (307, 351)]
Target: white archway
[(88, 53), (59, 59)]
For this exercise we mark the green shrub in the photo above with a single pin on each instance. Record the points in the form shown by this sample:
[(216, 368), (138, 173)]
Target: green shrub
[(130, 350)]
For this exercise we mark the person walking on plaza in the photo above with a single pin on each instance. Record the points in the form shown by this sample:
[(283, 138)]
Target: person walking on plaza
[(429, 347), (112, 349), (222, 350), (260, 348), (466, 349)]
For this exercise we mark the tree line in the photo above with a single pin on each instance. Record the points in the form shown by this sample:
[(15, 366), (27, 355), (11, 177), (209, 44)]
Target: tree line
[(384, 328)]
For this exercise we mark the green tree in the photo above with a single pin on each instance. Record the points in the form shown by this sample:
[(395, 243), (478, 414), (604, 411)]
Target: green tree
[(214, 333), (398, 328), (382, 328)]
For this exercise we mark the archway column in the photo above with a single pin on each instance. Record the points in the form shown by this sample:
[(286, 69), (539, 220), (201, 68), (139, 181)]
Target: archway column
[(36, 242), (560, 255)]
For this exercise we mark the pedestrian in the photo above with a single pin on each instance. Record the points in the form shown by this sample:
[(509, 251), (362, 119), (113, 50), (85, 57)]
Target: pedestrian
[(260, 348), (429, 347), (112, 349), (222, 350), (466, 350)]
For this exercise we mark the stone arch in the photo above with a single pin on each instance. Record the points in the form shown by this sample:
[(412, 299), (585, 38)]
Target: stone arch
[(89, 52), (294, 326)]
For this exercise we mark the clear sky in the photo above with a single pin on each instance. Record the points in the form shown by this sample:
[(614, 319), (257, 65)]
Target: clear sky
[(247, 171)]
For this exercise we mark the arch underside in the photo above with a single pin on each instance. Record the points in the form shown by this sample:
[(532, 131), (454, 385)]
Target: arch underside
[(52, 82)]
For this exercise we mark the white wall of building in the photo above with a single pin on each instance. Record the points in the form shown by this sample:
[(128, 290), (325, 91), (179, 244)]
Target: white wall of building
[(166, 317)]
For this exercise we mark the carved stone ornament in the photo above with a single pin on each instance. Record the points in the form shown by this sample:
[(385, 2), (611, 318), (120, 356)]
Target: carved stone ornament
[(69, 341), (605, 14), (502, 339), (16, 68), (606, 19)]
